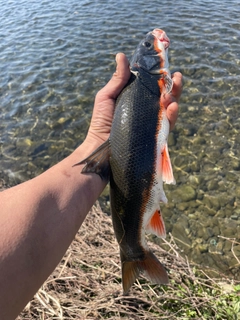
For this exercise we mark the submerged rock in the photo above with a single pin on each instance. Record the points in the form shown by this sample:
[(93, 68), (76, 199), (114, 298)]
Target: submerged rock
[(211, 201), (179, 231), (186, 193)]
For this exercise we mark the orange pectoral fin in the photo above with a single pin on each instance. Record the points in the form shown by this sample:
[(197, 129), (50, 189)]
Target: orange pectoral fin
[(165, 83), (168, 83), (167, 172), (156, 225)]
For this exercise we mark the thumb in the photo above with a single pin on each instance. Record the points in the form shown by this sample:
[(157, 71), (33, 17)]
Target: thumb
[(118, 80)]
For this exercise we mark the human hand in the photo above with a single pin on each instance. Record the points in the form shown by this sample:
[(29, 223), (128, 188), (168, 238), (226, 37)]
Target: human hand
[(104, 105), (171, 100)]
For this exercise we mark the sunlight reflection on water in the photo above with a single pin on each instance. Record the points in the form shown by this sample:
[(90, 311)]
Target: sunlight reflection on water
[(55, 56)]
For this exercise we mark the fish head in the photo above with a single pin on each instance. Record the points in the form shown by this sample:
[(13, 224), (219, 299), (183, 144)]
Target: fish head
[(151, 53)]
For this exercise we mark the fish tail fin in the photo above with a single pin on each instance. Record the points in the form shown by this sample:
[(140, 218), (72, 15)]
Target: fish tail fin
[(98, 161), (150, 266), (130, 272)]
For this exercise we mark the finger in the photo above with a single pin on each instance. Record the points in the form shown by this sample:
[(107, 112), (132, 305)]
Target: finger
[(172, 114), (177, 85), (118, 80), (170, 101)]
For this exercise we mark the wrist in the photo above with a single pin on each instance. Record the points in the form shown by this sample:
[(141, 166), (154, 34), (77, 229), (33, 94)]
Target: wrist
[(69, 187), (90, 144)]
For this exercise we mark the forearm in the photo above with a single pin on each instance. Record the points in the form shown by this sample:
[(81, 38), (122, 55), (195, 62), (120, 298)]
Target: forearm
[(48, 211)]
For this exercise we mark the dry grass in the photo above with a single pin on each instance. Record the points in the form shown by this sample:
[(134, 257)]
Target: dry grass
[(87, 284)]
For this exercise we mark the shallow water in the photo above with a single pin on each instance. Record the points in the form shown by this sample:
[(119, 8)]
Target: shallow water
[(55, 56)]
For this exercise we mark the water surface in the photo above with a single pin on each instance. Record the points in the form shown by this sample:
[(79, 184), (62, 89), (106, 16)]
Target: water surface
[(55, 56)]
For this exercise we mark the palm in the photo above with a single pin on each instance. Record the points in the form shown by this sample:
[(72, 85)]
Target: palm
[(105, 101)]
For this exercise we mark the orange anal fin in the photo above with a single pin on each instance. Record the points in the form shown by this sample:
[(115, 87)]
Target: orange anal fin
[(149, 266), (98, 161), (156, 225), (167, 172)]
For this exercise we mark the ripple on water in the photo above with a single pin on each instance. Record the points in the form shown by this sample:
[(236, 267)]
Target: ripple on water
[(56, 56)]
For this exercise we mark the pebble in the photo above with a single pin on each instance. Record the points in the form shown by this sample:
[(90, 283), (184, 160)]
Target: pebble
[(237, 191), (232, 176), (193, 180), (203, 248), (195, 166), (179, 233), (206, 211), (171, 139), (212, 185), (225, 199), (185, 193), (235, 164), (211, 202)]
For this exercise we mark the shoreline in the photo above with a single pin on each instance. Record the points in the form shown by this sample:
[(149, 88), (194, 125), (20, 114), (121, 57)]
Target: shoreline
[(87, 284)]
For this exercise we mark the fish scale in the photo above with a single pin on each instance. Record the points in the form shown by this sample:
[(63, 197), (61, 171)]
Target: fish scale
[(136, 159), (136, 150)]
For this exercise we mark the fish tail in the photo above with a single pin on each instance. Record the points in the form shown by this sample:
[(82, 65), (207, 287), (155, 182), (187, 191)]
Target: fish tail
[(150, 266)]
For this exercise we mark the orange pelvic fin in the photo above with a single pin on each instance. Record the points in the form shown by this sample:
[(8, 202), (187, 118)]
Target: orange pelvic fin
[(149, 266), (167, 172), (156, 225)]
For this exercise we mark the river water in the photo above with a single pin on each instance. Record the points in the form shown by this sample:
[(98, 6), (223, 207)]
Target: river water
[(55, 56)]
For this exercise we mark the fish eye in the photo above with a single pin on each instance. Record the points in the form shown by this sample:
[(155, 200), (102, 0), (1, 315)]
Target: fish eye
[(147, 44)]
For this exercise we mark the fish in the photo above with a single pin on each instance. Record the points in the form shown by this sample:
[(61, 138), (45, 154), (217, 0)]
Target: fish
[(136, 160)]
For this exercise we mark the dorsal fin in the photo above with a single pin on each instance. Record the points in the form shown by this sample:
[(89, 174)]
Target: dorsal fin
[(98, 161)]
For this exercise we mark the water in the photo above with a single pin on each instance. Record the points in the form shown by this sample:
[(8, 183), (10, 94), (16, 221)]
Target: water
[(55, 56)]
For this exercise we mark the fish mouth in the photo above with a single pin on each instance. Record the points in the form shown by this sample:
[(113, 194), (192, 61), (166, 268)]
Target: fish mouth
[(151, 53), (162, 37)]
